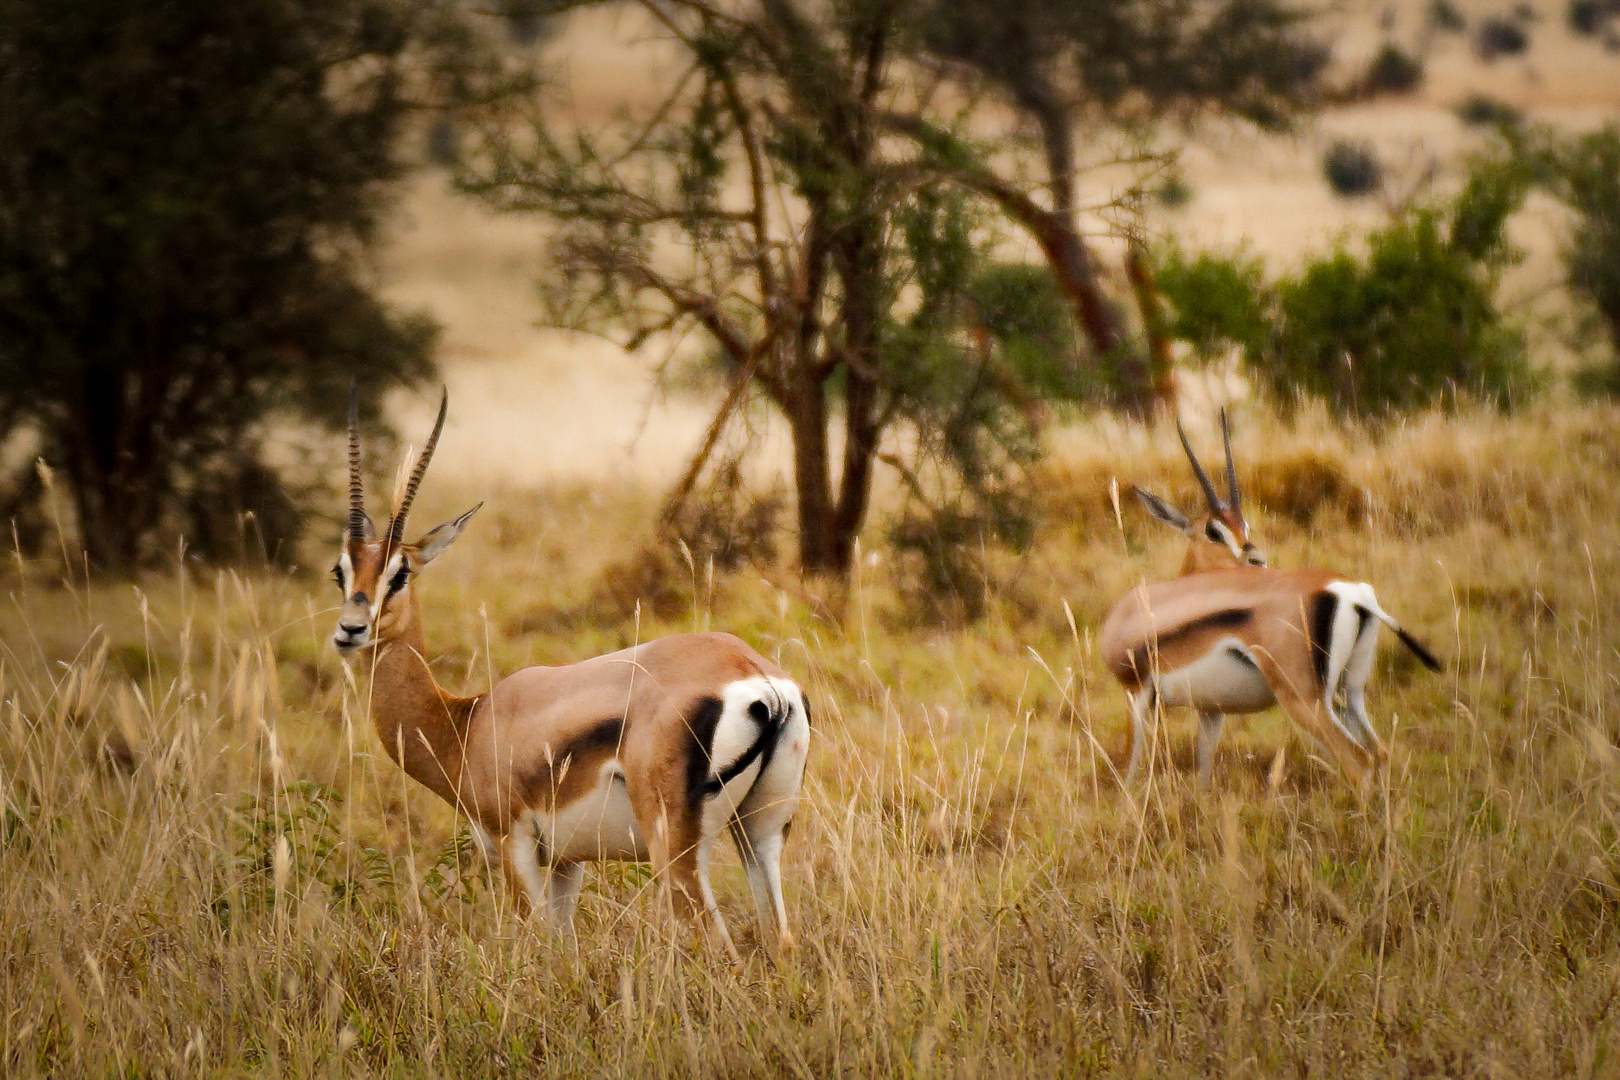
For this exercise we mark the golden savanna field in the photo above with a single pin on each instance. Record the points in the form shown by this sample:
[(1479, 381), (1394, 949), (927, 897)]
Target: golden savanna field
[(208, 866)]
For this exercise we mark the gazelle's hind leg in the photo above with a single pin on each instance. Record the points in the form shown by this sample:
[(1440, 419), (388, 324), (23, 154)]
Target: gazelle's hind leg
[(1142, 727), (1356, 674), (1318, 718), (761, 854), (686, 868), (760, 826), (1209, 737)]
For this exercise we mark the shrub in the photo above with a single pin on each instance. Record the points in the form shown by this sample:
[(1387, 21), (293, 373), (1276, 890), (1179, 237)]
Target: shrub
[(1392, 71), (1218, 302), (1444, 16), (1587, 16), (1584, 172), (1481, 110), (1500, 36), (1352, 169), (1412, 323)]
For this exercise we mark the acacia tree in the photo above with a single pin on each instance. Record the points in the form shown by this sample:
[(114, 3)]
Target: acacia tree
[(759, 204), (1069, 64), (185, 191), (799, 196)]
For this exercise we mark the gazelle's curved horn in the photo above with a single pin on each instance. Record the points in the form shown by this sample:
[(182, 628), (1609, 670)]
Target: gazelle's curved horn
[(357, 496), (396, 528), (1234, 500), (1213, 499)]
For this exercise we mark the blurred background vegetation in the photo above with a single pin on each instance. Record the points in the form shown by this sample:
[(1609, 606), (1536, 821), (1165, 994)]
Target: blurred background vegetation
[(193, 196)]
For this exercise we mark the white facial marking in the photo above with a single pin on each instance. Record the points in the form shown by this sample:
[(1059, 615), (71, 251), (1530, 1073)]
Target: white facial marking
[(1226, 536), (389, 570)]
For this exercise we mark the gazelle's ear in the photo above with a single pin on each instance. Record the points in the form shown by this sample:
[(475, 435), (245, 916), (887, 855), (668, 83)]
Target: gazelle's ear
[(433, 544), (1164, 511)]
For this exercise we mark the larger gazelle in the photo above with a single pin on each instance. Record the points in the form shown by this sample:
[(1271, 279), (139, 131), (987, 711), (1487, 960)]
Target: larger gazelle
[(649, 753), (1231, 635)]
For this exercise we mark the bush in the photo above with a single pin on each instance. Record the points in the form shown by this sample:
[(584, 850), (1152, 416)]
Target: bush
[(1500, 36), (1352, 169), (1481, 110), (1410, 324), (1587, 16), (1444, 16), (1218, 302), (1584, 172), (1392, 71)]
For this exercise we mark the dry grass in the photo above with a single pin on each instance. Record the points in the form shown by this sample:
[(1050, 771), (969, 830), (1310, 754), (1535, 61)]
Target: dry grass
[(206, 867)]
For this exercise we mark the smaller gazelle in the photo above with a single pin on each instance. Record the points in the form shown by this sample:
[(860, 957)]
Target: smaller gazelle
[(1232, 636), (646, 754)]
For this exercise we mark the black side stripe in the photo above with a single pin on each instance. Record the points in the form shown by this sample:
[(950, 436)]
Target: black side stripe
[(1320, 631), (700, 724), (1140, 659), (763, 747)]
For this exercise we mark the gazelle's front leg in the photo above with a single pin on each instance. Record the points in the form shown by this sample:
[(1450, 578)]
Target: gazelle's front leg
[(521, 864), (1141, 705), (680, 855), (1209, 737), (537, 886)]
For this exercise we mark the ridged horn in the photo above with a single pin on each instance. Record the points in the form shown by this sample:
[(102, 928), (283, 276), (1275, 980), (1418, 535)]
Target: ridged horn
[(1213, 499), (357, 495), (1235, 500), (396, 528)]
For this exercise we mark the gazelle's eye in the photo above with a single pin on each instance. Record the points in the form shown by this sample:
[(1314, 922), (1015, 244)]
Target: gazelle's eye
[(337, 576), (1212, 534), (397, 582)]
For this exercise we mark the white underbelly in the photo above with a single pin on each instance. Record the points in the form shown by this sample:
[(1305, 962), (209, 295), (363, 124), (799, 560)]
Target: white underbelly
[(599, 825), (1224, 680)]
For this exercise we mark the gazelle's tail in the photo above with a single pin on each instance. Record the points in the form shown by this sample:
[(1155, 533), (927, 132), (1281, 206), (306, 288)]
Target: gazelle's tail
[(1419, 650)]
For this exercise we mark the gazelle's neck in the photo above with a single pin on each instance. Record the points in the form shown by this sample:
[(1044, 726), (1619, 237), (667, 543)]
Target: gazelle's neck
[(422, 727)]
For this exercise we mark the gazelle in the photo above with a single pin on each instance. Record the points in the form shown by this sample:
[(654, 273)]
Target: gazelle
[(1231, 635), (645, 754)]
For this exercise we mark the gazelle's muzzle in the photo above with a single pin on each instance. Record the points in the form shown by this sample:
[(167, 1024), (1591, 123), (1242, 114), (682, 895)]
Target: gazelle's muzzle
[(354, 625)]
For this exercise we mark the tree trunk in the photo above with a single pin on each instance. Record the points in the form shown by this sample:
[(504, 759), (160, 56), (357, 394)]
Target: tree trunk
[(807, 419), (111, 467), (858, 259), (1072, 263)]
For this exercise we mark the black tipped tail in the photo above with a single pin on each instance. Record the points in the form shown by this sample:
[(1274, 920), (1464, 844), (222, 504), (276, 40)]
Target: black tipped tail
[(1419, 650)]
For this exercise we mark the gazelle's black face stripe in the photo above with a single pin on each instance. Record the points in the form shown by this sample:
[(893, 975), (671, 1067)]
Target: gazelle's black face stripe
[(399, 580)]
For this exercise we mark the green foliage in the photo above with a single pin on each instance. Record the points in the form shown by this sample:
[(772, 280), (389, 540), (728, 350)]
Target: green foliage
[(1410, 323), (185, 190), (1584, 172), (1413, 322), (1217, 302), (1023, 311), (1252, 58)]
